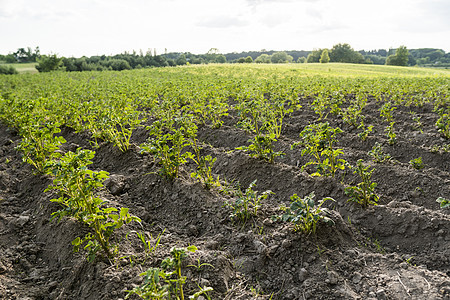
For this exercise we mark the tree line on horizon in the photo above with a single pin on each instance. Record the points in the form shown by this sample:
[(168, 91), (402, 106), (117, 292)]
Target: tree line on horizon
[(342, 53)]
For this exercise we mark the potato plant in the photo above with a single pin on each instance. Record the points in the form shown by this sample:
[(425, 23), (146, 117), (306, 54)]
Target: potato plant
[(204, 164), (417, 163), (443, 203), (364, 192), (245, 204), (305, 213), (265, 125), (167, 142), (40, 144), (390, 133), (167, 282), (443, 124), (318, 142), (76, 185), (378, 155)]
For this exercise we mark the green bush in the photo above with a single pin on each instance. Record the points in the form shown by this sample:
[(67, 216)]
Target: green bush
[(47, 63), (8, 70)]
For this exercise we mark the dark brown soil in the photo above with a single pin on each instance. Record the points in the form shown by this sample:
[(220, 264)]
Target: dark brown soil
[(399, 249)]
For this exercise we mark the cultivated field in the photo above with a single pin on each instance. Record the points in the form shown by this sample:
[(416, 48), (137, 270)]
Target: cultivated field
[(305, 181)]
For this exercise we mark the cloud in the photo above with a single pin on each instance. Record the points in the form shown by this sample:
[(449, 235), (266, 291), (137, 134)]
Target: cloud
[(258, 2), (273, 20), (312, 12), (222, 22), (437, 10)]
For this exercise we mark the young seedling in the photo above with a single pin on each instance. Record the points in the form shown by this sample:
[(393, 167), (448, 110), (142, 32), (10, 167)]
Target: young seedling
[(378, 154), (262, 147), (443, 124), (167, 141), (444, 203), (364, 192), (204, 165), (304, 213), (167, 282), (149, 245), (266, 122), (386, 111), (318, 141), (353, 115), (392, 137), (365, 131), (246, 204), (418, 123), (417, 163)]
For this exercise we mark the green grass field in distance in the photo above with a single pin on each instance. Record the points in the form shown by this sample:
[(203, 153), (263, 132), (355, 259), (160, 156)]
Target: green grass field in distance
[(24, 68)]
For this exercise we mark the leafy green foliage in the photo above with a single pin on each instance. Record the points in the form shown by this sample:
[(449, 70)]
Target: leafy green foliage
[(265, 119), (166, 142), (345, 53), (167, 282), (40, 144), (8, 70), (400, 58), (444, 203), (443, 124), (365, 131), (390, 133), (317, 141), (386, 111), (305, 213), (324, 57), (417, 163), (353, 114), (246, 204), (47, 63), (364, 192), (204, 166), (378, 155), (76, 185)]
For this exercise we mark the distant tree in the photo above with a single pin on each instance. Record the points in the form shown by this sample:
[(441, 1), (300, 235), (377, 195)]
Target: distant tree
[(314, 56), (221, 59), (119, 64), (324, 58), (47, 63), (8, 70), (376, 59), (301, 60), (248, 60), (213, 51), (22, 55), (411, 60), (171, 62), (263, 59), (241, 60), (400, 58), (36, 54), (281, 58), (212, 56), (197, 60), (344, 53), (181, 60), (10, 59)]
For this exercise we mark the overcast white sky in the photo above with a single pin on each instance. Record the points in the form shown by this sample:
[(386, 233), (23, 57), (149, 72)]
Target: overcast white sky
[(82, 27)]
